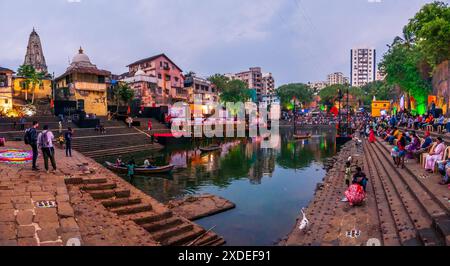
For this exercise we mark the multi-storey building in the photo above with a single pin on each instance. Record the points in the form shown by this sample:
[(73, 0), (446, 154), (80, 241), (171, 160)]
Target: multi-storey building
[(337, 78), (144, 87), (169, 77), (317, 86), (84, 83), (363, 66), (268, 83), (6, 101), (253, 78), (202, 87)]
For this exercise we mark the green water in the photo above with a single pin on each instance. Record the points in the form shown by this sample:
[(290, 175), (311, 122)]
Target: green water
[(268, 186)]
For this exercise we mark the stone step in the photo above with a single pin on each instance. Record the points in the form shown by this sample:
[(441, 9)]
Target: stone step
[(95, 180), (219, 241), (105, 186), (428, 237), (441, 225), (110, 193), (120, 202), (132, 209), (184, 239), (148, 217), (162, 225), (209, 238), (164, 235)]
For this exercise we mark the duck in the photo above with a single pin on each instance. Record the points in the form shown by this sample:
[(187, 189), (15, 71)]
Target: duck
[(305, 222)]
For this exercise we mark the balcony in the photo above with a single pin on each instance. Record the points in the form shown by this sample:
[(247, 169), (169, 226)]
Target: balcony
[(89, 86)]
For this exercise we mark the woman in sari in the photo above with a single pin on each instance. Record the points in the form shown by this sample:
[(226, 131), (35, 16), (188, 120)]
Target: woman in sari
[(372, 138), (413, 146), (355, 194), (435, 155)]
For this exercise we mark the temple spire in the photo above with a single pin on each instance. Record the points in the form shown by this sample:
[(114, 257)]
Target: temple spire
[(35, 55)]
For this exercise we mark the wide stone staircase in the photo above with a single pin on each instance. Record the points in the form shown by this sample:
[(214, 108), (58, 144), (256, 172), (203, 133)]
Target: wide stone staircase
[(164, 226)]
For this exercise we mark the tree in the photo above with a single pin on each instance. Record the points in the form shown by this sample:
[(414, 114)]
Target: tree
[(219, 80), (234, 91), (429, 30), (31, 77), (401, 64), (300, 91), (329, 94), (378, 89), (122, 93)]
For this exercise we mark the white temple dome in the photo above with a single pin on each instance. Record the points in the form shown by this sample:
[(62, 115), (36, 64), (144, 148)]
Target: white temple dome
[(81, 57)]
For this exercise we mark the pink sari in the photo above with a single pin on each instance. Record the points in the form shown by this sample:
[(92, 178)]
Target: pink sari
[(431, 160)]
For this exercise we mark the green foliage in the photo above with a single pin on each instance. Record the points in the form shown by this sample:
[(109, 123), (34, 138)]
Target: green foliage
[(125, 93), (32, 77), (379, 89), (230, 90), (235, 91), (429, 30), (302, 92)]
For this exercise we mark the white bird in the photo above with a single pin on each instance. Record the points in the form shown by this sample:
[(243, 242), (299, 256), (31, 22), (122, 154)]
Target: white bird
[(304, 223), (349, 159)]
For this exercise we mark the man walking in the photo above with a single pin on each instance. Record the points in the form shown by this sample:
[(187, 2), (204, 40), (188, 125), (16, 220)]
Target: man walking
[(31, 138), (45, 142)]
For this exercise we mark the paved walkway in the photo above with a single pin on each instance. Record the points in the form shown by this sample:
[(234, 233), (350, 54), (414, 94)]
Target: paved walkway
[(74, 219)]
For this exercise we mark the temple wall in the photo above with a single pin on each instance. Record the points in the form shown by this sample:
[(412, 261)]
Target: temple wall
[(441, 85)]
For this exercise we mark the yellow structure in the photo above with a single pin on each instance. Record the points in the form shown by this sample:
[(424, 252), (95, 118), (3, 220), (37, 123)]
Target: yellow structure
[(84, 83), (6, 102), (42, 91), (379, 106)]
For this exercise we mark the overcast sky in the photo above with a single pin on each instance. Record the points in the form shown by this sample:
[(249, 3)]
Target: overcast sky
[(296, 40)]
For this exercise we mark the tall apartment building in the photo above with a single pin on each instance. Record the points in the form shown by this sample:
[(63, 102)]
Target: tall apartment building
[(363, 66), (268, 83), (253, 78), (336, 78)]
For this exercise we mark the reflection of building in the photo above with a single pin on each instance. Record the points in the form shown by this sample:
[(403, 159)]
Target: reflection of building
[(5, 90), (86, 84), (35, 55), (170, 81), (144, 87), (363, 66)]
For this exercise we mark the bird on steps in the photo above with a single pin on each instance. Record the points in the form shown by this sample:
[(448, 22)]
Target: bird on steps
[(304, 223)]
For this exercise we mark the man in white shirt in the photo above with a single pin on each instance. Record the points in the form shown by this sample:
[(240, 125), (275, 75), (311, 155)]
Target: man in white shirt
[(45, 143)]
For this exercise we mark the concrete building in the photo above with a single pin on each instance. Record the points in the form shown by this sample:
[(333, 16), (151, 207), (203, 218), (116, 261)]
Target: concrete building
[(268, 84), (6, 92), (84, 83), (337, 78), (200, 86), (144, 87), (253, 78), (363, 66), (317, 86), (170, 80)]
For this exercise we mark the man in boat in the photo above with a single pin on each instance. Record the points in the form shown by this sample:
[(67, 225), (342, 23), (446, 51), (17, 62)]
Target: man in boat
[(147, 163), (119, 162), (130, 167)]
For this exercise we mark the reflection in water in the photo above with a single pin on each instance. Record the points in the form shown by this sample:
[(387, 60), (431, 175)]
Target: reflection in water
[(264, 183)]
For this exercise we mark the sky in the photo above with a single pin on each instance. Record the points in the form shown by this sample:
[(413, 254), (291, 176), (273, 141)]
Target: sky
[(295, 40)]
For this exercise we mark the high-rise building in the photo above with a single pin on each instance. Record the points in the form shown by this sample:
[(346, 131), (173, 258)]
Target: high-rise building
[(35, 55), (336, 78), (363, 66)]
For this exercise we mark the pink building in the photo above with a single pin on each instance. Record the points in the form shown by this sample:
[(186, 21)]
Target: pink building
[(168, 76)]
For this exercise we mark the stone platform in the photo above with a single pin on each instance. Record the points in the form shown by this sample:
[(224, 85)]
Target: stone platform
[(200, 206)]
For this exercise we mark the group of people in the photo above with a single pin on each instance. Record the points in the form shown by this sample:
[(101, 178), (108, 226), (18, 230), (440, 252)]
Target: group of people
[(44, 142), (408, 144)]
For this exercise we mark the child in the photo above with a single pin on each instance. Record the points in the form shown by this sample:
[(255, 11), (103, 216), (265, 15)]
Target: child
[(348, 174)]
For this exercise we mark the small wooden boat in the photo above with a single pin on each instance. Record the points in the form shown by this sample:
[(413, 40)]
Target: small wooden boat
[(210, 148), (141, 170), (307, 136)]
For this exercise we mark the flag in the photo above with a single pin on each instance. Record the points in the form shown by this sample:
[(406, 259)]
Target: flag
[(52, 103), (129, 110)]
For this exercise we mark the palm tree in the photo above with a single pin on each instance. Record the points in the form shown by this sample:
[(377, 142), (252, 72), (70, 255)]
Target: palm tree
[(32, 77)]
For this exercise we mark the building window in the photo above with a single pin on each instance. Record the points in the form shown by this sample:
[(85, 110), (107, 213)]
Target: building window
[(176, 79), (3, 80), (168, 78), (101, 79), (6, 101), (159, 76)]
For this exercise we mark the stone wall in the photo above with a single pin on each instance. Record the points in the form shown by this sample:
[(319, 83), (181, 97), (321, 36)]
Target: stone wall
[(441, 85)]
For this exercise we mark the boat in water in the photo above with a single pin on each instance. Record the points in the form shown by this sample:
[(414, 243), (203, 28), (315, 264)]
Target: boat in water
[(210, 148), (140, 169)]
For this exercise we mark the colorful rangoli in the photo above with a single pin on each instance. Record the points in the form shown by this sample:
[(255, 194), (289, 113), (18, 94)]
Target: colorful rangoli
[(14, 156)]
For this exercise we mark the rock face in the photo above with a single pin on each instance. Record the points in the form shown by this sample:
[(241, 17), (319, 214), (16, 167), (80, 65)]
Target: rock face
[(35, 55), (199, 206), (441, 84)]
